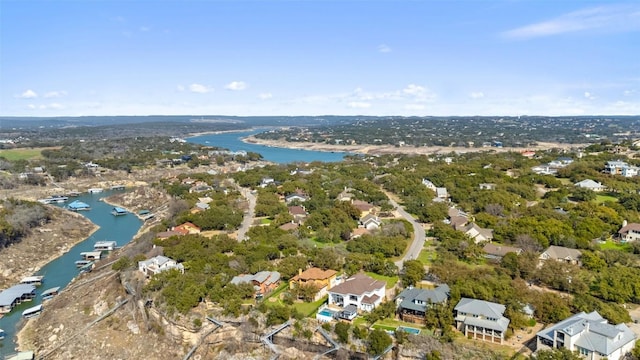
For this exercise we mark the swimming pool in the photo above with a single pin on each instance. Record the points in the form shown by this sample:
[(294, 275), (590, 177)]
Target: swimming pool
[(409, 330), (327, 313)]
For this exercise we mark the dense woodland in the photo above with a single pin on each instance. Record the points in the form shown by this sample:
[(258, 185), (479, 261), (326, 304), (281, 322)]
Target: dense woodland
[(18, 217)]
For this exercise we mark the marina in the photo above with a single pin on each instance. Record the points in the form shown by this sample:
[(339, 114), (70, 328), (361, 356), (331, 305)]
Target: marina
[(105, 245), (62, 270), (90, 256)]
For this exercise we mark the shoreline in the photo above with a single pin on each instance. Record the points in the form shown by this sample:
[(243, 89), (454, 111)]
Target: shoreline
[(391, 149), (224, 131)]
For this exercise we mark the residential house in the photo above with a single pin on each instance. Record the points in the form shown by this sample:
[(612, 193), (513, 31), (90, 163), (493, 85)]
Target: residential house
[(364, 207), (370, 222), (345, 195), (615, 167), (158, 264), (591, 185), (358, 232), (562, 254), (167, 234), (267, 181), (481, 320), (360, 291), (457, 218), (498, 251), (187, 228), (629, 232), (289, 226), (561, 162), (431, 186), (263, 282), (295, 197), (544, 169), (322, 280), (441, 192), (413, 302), (298, 212), (477, 234), (590, 335)]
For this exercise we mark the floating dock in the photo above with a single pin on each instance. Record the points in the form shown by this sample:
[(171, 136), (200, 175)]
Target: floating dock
[(118, 211), (32, 311), (105, 246), (15, 295), (78, 206), (33, 280), (50, 293)]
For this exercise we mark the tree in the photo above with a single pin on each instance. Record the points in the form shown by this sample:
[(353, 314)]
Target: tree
[(413, 272), (557, 354), (342, 330), (379, 341)]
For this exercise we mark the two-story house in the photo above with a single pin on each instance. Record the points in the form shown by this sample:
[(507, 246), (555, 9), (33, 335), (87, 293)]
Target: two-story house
[(316, 277), (481, 320), (359, 291), (158, 264), (413, 303), (629, 232), (590, 335)]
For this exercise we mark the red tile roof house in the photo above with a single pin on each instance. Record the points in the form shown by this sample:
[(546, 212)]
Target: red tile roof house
[(187, 228), (359, 291)]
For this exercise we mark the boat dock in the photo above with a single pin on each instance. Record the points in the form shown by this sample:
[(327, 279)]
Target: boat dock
[(105, 246), (95, 190), (15, 295), (118, 211), (117, 187), (50, 293), (32, 311), (91, 255), (78, 206), (33, 280)]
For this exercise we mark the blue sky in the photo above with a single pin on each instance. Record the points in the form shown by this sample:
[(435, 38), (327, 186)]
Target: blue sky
[(71, 58)]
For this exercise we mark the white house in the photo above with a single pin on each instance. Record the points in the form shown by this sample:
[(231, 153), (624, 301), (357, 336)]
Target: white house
[(629, 232), (562, 254), (591, 185), (477, 233), (360, 291), (429, 184), (481, 320), (158, 264), (370, 222), (590, 335)]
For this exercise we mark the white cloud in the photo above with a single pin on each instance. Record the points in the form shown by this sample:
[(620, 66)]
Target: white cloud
[(180, 88), (476, 95), (265, 96), (629, 92), (589, 95), (55, 94), (383, 48), (199, 88), (413, 89), (236, 86), (359, 105), (28, 94), (610, 18)]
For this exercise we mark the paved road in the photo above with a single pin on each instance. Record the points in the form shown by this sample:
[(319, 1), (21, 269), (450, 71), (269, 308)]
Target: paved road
[(249, 215), (418, 236)]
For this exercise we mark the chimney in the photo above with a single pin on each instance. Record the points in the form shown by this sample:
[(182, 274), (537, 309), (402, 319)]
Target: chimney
[(299, 271)]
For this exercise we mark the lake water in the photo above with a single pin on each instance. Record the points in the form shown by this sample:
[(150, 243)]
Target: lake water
[(233, 142), (62, 270)]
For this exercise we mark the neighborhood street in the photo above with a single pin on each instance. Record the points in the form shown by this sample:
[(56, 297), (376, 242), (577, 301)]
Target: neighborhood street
[(418, 236), (249, 215)]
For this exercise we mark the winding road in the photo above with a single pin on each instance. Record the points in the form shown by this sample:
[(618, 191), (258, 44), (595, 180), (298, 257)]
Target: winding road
[(419, 235)]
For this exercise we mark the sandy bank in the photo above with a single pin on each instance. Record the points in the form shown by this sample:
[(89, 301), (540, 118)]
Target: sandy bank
[(390, 149)]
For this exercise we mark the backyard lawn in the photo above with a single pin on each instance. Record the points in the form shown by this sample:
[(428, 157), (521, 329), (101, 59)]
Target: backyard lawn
[(391, 280), (600, 199), (608, 245)]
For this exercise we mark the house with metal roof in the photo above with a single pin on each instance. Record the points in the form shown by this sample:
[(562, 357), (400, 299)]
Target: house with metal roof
[(591, 185), (359, 290), (590, 335), (413, 303), (481, 320), (629, 232)]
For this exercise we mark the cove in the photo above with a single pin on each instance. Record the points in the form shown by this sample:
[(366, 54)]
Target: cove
[(62, 270), (233, 142)]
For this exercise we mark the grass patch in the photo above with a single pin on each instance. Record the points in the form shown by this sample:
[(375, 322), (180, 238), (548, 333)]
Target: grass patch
[(391, 280), (427, 256), (565, 181), (384, 327), (23, 153), (266, 221), (601, 199), (307, 309), (612, 245)]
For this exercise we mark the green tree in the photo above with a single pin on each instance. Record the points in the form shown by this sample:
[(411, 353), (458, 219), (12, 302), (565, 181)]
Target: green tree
[(557, 354), (342, 330), (378, 342), (413, 272)]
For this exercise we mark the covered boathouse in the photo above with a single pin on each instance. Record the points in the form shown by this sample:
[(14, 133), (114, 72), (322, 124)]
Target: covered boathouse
[(15, 295)]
